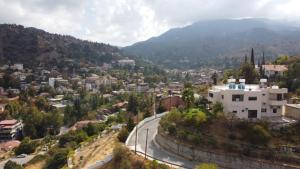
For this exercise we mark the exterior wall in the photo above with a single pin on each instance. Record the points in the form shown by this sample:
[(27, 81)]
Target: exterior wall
[(222, 160), (292, 111), (266, 100), (173, 101)]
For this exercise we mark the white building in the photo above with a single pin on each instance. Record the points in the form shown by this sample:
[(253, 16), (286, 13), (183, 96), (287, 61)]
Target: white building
[(10, 129), (272, 70), (249, 101), (126, 62)]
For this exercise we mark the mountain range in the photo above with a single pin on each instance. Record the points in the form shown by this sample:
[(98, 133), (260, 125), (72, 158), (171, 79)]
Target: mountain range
[(33, 47), (219, 43)]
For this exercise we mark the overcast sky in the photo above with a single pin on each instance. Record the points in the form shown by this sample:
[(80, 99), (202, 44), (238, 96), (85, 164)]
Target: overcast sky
[(123, 22)]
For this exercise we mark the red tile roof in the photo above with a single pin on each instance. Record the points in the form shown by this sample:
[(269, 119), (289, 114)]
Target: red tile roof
[(8, 122)]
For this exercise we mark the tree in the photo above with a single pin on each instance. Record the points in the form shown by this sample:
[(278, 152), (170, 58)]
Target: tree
[(123, 134), (12, 165), (248, 72), (130, 124), (257, 135), (58, 160), (42, 103), (217, 107), (26, 147), (215, 78), (252, 58), (133, 104), (188, 97)]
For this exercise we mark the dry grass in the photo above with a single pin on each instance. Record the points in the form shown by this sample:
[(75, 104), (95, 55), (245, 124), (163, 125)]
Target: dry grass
[(95, 151), (38, 165)]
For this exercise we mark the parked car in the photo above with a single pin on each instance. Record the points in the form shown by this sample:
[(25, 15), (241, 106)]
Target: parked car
[(22, 156)]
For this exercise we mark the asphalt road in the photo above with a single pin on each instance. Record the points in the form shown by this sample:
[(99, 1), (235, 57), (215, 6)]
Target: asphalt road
[(153, 148), (17, 160)]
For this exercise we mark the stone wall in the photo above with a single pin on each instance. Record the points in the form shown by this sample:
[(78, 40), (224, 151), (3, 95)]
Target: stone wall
[(222, 160)]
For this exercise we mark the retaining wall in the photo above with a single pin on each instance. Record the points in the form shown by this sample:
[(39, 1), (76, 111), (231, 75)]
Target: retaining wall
[(223, 160)]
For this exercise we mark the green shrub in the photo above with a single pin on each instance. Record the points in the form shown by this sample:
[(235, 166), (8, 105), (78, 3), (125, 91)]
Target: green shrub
[(121, 156), (258, 135), (194, 117), (12, 165), (123, 134), (26, 147), (77, 137), (59, 159), (207, 166)]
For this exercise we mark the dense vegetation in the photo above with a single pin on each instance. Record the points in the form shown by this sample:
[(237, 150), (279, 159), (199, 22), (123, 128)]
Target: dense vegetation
[(204, 129), (33, 46)]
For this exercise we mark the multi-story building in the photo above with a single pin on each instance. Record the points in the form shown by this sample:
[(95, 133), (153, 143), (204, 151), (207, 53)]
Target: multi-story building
[(249, 101), (10, 129)]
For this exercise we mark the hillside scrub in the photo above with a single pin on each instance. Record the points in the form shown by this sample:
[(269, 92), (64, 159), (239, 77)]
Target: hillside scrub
[(214, 131)]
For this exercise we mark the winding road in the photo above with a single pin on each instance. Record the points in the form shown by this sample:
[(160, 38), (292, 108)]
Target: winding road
[(153, 149)]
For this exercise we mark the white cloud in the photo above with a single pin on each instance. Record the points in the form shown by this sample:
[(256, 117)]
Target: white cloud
[(123, 22)]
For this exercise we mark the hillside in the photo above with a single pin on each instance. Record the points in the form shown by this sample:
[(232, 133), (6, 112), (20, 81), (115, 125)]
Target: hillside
[(219, 42), (32, 46)]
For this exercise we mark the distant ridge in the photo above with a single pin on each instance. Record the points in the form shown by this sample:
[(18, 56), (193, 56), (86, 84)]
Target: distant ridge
[(219, 43), (33, 46)]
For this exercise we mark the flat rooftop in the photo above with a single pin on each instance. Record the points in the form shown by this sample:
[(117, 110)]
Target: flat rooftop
[(294, 105)]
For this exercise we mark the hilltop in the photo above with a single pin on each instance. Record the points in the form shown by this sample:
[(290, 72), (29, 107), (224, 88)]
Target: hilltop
[(219, 43)]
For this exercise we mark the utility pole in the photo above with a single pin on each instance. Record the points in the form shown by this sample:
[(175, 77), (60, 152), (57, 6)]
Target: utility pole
[(135, 141), (146, 143), (154, 108)]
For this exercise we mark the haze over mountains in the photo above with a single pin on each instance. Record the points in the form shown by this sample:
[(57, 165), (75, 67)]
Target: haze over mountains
[(219, 43)]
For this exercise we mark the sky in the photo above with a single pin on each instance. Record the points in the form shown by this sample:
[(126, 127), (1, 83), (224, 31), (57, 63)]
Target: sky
[(124, 22)]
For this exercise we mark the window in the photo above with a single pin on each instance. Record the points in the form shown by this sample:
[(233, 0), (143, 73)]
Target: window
[(252, 98), (222, 96), (263, 110), (274, 110), (279, 97), (263, 94), (211, 95), (234, 112), (252, 113), (237, 98)]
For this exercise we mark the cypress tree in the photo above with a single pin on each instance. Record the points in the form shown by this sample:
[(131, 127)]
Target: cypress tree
[(252, 57), (246, 58), (263, 59)]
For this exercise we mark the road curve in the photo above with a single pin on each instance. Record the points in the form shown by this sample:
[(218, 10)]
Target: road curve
[(153, 148)]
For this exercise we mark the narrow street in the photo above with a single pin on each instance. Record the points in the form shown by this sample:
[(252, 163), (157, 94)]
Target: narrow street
[(153, 148)]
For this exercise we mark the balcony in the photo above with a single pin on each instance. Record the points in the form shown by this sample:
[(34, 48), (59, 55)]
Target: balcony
[(277, 102), (278, 91)]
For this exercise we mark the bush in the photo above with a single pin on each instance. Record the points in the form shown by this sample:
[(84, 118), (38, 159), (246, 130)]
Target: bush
[(26, 147), (123, 134), (258, 135), (59, 159), (206, 166), (12, 165), (121, 153), (194, 117), (94, 128), (77, 137)]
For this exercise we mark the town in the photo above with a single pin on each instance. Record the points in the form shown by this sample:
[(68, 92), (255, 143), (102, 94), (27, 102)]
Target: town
[(106, 84)]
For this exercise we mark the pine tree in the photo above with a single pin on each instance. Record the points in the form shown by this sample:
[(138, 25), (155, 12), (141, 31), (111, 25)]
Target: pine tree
[(263, 59), (252, 57)]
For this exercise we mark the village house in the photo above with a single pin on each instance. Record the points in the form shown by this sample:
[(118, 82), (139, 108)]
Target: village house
[(273, 70), (10, 129), (249, 101)]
